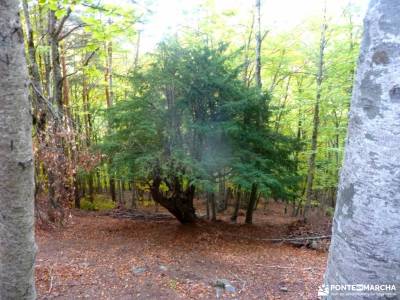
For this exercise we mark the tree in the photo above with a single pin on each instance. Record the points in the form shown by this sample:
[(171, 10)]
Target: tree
[(17, 244), (366, 241), (316, 117), (190, 122), (258, 44), (261, 118)]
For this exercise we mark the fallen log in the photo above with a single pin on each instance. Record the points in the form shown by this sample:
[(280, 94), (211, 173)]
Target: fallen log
[(300, 239), (284, 239)]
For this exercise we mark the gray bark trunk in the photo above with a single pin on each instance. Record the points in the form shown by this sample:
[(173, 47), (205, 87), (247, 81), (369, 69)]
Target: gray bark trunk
[(17, 244), (365, 245)]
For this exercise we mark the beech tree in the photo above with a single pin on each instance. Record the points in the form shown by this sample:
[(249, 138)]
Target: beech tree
[(366, 240), (17, 244)]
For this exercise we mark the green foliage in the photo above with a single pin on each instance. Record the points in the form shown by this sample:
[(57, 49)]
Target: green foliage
[(191, 117), (87, 205), (330, 211), (100, 203)]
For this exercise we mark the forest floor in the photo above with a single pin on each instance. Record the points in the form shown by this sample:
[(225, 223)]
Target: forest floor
[(146, 255)]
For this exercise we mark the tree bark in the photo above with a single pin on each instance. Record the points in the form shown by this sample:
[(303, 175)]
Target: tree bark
[(90, 187), (112, 189), (57, 96), (237, 206), (33, 66), (221, 204), (17, 243), (134, 195), (54, 184), (98, 182), (211, 197), (207, 207), (366, 241), (179, 202), (65, 84), (120, 194), (251, 204), (109, 101), (77, 193)]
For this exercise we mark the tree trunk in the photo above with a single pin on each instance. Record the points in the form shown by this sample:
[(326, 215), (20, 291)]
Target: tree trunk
[(179, 203), (257, 201), (90, 187), (55, 184), (106, 80), (33, 66), (65, 84), (366, 241), (98, 182), (77, 196), (136, 63), (134, 195), (112, 189), (57, 96), (110, 75), (258, 44), (251, 204), (109, 101), (237, 206), (211, 200), (282, 106), (316, 119), (207, 207), (17, 243), (221, 194), (120, 194)]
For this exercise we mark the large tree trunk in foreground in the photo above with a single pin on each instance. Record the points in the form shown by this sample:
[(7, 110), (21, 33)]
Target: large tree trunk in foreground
[(178, 201), (17, 244), (365, 246)]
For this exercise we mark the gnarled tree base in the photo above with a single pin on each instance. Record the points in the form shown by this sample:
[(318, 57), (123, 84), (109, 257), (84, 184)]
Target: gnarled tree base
[(178, 201)]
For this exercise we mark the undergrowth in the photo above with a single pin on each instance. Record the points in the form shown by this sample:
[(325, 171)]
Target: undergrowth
[(100, 203)]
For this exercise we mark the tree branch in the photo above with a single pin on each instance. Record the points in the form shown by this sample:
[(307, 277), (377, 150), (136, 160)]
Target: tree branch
[(85, 63), (70, 31), (62, 22)]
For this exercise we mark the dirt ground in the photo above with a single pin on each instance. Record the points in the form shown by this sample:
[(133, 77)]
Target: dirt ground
[(97, 256)]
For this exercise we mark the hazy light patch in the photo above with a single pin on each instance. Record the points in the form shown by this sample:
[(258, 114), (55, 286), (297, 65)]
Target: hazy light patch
[(171, 16)]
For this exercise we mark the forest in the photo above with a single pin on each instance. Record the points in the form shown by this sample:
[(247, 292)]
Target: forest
[(202, 149)]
